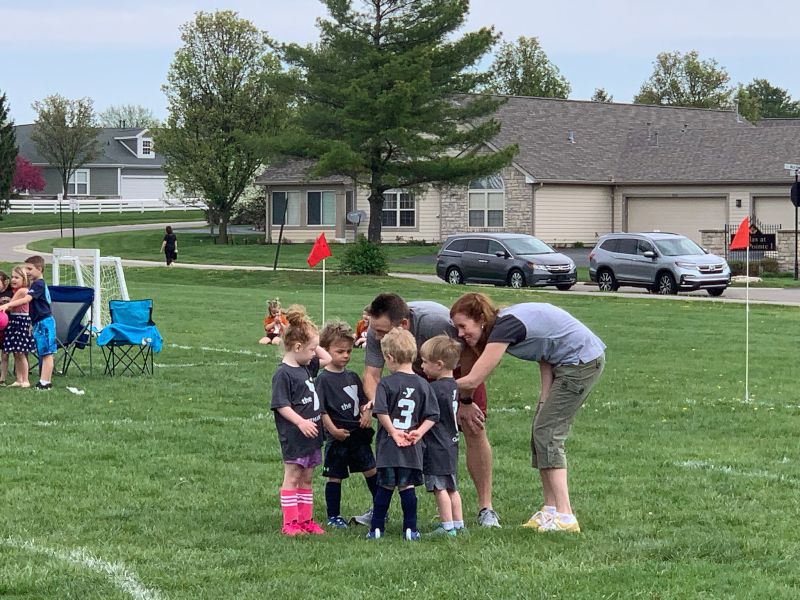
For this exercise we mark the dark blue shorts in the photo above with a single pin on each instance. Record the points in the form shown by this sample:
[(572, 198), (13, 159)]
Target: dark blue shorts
[(399, 477), (354, 455)]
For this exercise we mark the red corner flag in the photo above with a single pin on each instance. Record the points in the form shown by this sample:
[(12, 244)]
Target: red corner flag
[(319, 252), (742, 238)]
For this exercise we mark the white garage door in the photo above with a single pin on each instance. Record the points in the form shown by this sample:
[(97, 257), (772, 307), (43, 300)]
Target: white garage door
[(774, 211), (142, 188), (686, 216)]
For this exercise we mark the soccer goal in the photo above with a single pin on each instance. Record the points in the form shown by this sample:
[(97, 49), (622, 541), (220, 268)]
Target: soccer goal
[(85, 267)]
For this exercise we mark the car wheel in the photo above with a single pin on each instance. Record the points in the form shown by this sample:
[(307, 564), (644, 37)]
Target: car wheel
[(666, 284), (606, 281), (715, 291), (516, 279), (454, 276), (564, 287)]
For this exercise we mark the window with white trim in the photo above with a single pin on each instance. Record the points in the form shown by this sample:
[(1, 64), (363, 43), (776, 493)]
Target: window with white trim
[(399, 209), (487, 200), (321, 208), (78, 184), (147, 147), (288, 202)]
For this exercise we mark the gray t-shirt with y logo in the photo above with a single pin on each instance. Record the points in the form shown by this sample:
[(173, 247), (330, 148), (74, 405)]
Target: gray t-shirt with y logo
[(294, 387)]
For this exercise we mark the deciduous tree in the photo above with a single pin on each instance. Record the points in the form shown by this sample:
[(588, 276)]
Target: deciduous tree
[(65, 134), (772, 102), (221, 91), (522, 68), (601, 95), (127, 115), (8, 153), (27, 177), (383, 98), (685, 80)]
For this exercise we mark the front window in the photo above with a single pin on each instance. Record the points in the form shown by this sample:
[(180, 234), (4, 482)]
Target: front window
[(147, 147), (79, 183), (487, 199), (288, 203), (399, 210), (321, 208), (679, 247), (528, 245)]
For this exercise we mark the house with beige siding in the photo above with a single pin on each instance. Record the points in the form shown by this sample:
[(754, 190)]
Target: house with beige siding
[(583, 169)]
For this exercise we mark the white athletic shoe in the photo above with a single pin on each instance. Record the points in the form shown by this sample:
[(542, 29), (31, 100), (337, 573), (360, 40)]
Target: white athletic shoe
[(365, 519), (488, 518)]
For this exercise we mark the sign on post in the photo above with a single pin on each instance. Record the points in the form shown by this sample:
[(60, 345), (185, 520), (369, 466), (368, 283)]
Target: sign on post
[(791, 167)]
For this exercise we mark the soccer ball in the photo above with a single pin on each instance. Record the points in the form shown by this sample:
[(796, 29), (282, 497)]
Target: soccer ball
[(3, 320)]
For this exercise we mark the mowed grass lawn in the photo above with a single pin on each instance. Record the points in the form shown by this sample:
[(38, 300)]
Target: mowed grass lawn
[(167, 487), (36, 222), (201, 248)]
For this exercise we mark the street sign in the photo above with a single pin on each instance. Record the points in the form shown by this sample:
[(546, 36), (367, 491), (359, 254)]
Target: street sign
[(791, 167)]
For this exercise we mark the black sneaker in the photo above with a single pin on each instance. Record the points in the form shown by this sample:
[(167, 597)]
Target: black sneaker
[(44, 386)]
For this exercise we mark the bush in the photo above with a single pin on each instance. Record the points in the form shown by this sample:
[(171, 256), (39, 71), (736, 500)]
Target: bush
[(250, 211), (770, 265), (757, 267), (364, 258)]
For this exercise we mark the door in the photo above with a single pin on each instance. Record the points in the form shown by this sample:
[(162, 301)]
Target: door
[(626, 259), (136, 187), (686, 216), (495, 268), (474, 258)]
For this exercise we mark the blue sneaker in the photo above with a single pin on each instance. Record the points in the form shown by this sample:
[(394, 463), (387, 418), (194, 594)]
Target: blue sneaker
[(412, 536), (442, 532), (374, 534), (337, 523)]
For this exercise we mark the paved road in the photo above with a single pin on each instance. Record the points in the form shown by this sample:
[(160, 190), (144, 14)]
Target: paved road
[(12, 249)]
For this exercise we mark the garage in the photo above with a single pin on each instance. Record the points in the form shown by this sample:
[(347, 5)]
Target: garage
[(142, 187), (686, 216), (771, 210)]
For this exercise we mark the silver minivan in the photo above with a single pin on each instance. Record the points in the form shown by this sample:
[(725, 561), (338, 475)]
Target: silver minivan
[(514, 259), (664, 263)]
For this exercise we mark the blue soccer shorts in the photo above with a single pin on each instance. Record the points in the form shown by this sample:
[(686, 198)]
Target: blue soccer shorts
[(44, 334)]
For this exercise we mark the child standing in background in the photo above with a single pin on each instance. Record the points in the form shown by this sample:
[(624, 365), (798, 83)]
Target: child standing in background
[(361, 328), (348, 446), (440, 355), (18, 340), (298, 416), (5, 296), (406, 409), (274, 323)]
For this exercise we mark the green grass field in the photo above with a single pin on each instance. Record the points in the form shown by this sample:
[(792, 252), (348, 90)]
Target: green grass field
[(26, 222), (167, 487)]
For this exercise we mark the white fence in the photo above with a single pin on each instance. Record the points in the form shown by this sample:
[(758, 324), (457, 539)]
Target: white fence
[(86, 205)]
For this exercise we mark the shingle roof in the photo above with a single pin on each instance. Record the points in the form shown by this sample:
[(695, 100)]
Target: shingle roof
[(778, 123), (113, 152), (296, 170)]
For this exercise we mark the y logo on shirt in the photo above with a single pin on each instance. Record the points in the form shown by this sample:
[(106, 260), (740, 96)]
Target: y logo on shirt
[(313, 390), (352, 392)]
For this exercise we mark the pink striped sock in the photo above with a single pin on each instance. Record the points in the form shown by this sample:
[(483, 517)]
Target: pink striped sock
[(305, 505), (289, 506)]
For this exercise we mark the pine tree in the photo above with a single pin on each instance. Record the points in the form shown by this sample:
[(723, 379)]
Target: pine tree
[(386, 97), (8, 154)]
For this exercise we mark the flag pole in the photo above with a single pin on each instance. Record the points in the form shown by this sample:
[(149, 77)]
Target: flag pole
[(747, 327), (323, 290)]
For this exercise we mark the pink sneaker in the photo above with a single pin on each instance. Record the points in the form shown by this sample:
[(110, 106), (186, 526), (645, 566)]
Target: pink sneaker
[(312, 527), (293, 529)]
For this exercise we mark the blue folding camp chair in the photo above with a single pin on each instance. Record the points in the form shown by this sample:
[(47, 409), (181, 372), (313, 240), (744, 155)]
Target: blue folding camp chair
[(70, 306), (130, 340)]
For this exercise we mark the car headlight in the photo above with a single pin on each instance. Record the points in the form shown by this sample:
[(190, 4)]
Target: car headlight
[(536, 266), (685, 265)]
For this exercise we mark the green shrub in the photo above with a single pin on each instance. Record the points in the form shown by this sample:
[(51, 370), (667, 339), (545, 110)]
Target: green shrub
[(364, 258), (769, 265), (578, 245)]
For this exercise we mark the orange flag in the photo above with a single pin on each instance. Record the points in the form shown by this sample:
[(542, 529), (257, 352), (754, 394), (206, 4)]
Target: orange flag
[(319, 252), (742, 238)]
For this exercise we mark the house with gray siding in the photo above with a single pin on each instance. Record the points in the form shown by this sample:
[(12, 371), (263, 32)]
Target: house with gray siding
[(583, 169), (127, 167)]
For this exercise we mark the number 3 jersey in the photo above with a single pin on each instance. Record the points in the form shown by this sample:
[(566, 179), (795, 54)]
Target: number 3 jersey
[(408, 400), (294, 387)]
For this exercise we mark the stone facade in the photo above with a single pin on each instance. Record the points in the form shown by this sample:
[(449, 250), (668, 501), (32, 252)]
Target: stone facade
[(713, 240), (518, 213), (786, 250)]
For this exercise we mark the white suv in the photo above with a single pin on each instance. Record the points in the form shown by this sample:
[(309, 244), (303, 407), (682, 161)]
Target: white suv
[(664, 263)]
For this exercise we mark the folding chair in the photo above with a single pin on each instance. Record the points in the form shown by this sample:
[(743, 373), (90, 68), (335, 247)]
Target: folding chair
[(70, 304), (129, 341)]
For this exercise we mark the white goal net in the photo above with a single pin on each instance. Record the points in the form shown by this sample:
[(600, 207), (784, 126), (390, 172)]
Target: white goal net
[(85, 267)]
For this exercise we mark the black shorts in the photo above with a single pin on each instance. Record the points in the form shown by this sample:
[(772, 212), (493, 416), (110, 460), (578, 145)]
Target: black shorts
[(350, 456), (399, 477)]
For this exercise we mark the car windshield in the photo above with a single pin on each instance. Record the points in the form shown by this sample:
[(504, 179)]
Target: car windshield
[(528, 245), (678, 247)]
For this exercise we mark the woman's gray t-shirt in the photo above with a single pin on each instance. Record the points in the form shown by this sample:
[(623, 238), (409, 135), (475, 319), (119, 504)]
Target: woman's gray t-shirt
[(538, 331)]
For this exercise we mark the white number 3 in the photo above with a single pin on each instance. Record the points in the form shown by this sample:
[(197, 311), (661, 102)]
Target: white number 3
[(406, 407)]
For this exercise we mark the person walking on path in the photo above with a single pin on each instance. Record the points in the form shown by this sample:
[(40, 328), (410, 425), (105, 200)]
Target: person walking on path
[(571, 359), (425, 320), (169, 246)]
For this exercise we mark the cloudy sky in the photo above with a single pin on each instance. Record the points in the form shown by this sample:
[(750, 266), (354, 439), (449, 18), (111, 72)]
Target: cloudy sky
[(119, 52)]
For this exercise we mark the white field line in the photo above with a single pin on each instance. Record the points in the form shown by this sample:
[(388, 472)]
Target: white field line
[(705, 465), (225, 350), (188, 365), (118, 573), (127, 421)]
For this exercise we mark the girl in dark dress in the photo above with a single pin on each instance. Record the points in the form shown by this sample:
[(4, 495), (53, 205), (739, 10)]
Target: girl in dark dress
[(169, 246)]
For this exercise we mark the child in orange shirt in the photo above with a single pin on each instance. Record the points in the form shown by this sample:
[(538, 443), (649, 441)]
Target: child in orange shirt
[(361, 328), (274, 323)]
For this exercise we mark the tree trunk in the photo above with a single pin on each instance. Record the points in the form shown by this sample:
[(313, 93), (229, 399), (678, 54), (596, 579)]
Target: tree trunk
[(375, 216), (223, 228)]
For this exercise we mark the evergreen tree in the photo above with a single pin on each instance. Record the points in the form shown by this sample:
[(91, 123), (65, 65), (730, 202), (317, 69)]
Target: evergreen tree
[(8, 154), (601, 95), (384, 98)]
